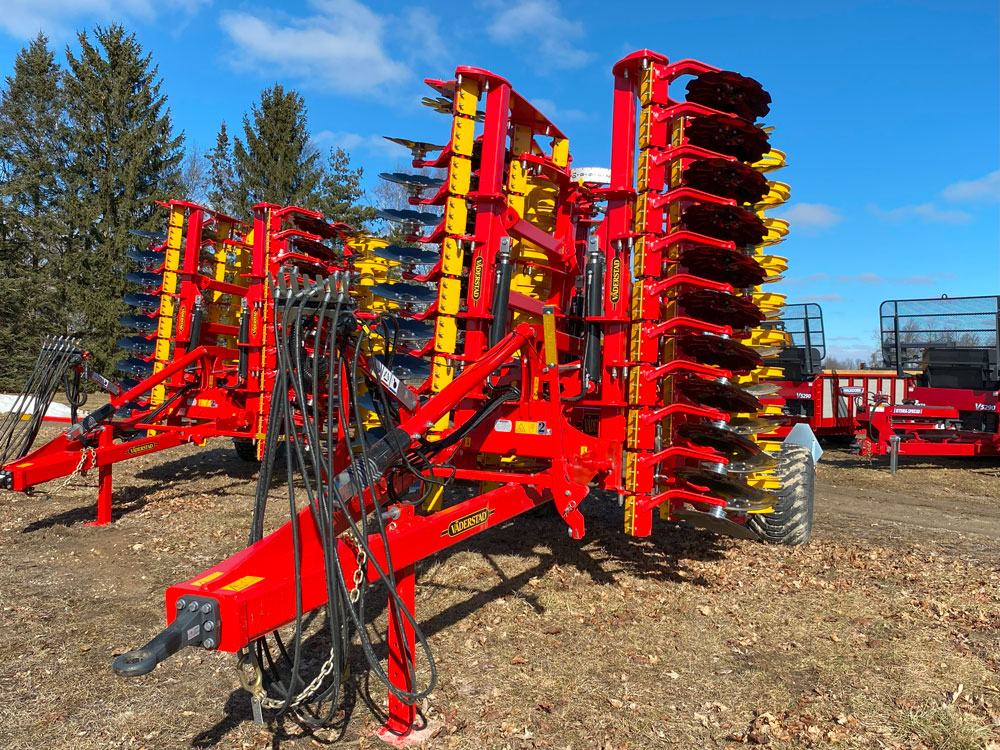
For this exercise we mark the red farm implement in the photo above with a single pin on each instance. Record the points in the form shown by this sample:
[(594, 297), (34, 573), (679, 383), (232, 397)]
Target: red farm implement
[(948, 349), (200, 346), (528, 350), (833, 403)]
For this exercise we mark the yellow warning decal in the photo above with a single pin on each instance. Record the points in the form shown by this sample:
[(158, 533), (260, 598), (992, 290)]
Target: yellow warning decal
[(207, 579), (242, 583), (530, 428)]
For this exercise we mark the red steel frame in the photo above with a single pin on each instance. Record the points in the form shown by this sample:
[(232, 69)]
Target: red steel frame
[(255, 589), (216, 405)]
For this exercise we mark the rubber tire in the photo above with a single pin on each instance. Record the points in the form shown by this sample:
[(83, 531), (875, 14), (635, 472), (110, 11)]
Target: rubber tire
[(246, 449), (790, 523)]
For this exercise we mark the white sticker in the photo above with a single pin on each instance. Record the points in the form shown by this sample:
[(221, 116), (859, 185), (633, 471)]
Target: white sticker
[(390, 381), (192, 633), (503, 425)]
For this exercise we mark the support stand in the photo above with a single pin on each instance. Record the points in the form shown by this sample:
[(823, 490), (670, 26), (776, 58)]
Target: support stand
[(103, 481), (399, 729)]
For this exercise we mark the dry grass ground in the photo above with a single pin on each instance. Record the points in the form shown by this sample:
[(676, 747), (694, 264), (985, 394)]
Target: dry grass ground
[(884, 632)]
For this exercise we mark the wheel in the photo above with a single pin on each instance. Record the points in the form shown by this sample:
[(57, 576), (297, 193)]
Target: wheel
[(246, 449), (790, 522)]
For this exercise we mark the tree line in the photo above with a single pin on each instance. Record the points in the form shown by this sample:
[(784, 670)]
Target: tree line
[(87, 149)]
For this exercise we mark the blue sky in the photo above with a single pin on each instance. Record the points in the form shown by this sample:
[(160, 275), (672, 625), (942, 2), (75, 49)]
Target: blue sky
[(888, 110)]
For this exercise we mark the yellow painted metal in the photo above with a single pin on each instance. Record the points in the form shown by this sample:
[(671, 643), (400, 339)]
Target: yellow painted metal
[(772, 160), (549, 335), (165, 325)]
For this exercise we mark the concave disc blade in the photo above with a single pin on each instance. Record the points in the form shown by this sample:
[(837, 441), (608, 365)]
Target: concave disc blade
[(728, 223), (405, 293), (728, 443), (137, 344), (421, 146), (728, 91), (755, 425), (306, 246), (723, 485), (416, 256), (312, 225), (723, 265), (146, 234), (727, 179), (414, 330), (142, 301), (415, 181), (761, 389), (720, 308), (142, 323), (720, 352), (133, 366), (148, 281), (712, 523), (720, 396), (725, 135), (366, 402), (406, 216), (408, 367), (148, 259)]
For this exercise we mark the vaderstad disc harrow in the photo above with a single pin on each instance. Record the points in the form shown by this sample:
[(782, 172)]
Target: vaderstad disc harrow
[(529, 348)]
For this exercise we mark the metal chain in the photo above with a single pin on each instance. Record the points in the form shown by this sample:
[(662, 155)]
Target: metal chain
[(257, 688), (87, 451)]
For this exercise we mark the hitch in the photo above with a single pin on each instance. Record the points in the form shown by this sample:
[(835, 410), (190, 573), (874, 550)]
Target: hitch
[(197, 623)]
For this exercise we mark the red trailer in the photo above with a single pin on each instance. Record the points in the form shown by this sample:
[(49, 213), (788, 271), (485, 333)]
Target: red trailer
[(831, 402), (948, 348)]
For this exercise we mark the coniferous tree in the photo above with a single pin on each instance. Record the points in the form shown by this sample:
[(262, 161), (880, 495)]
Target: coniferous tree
[(32, 169), (276, 163), (220, 175), (124, 156), (340, 195)]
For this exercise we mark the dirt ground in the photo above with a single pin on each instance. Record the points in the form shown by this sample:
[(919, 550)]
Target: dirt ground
[(884, 632)]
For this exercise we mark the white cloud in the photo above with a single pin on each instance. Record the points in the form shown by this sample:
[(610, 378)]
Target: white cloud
[(23, 19), (927, 212), (811, 215), (420, 26), (539, 29), (557, 114), (353, 142), (341, 47), (984, 189)]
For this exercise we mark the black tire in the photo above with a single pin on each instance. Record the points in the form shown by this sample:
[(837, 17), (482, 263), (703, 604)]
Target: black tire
[(790, 523), (246, 449)]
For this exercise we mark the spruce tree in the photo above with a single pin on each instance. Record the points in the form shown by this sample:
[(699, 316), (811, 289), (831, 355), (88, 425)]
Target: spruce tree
[(340, 195), (220, 175), (276, 163), (124, 156), (32, 169)]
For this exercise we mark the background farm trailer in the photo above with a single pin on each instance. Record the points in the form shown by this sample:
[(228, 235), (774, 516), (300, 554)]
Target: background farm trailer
[(830, 401), (948, 347)]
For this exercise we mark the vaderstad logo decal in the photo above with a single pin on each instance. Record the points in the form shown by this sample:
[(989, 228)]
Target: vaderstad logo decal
[(466, 523), (477, 278), (616, 280), (136, 449)]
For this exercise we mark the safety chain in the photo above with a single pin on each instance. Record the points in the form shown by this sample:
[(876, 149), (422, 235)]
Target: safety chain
[(256, 686), (84, 454)]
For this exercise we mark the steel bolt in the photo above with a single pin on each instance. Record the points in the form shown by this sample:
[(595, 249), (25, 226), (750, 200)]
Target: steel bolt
[(206, 608), (181, 604), (209, 643), (193, 607), (208, 626), (567, 493)]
